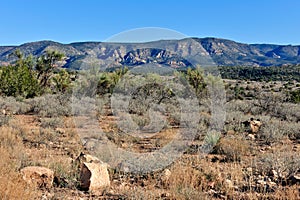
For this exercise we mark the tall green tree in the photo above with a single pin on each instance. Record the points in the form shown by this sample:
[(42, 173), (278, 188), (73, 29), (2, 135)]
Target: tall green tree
[(46, 65), (19, 79), (62, 81), (196, 79)]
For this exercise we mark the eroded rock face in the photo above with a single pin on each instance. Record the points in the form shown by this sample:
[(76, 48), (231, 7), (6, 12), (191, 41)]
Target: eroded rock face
[(42, 177), (94, 177)]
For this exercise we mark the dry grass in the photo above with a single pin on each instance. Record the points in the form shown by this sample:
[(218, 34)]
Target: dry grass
[(234, 147), (12, 185)]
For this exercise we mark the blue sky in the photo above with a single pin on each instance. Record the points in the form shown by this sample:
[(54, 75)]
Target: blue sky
[(65, 21)]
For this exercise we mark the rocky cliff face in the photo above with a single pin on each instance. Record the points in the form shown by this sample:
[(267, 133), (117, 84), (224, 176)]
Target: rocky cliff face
[(173, 53)]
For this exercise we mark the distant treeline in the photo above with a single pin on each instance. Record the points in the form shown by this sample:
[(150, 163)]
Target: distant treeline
[(284, 73)]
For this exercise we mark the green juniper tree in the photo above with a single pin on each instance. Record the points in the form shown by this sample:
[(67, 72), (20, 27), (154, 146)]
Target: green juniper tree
[(46, 65)]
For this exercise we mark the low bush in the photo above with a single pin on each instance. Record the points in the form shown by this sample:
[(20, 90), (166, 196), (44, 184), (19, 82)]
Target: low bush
[(51, 105), (285, 162), (233, 147), (52, 122)]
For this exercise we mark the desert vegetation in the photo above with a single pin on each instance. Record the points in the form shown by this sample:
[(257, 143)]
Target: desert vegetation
[(50, 116)]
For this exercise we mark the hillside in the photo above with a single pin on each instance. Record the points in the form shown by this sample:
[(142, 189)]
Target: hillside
[(174, 53)]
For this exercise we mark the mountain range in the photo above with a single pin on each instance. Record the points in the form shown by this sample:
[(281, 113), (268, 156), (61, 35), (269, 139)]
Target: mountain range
[(174, 53)]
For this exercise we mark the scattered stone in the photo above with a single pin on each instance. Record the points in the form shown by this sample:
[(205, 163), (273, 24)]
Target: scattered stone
[(261, 182), (229, 183), (217, 158), (274, 174), (211, 184), (272, 184), (94, 177), (40, 176), (165, 195), (60, 131), (255, 125), (230, 132), (251, 136), (249, 169), (295, 179), (165, 177)]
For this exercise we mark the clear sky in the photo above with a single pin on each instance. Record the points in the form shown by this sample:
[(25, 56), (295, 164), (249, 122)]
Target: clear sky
[(65, 21)]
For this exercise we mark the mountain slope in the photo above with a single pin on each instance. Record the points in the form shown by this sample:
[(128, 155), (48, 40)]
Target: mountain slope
[(174, 53)]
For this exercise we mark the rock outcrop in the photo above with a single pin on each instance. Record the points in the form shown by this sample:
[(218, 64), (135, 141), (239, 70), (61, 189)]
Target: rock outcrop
[(222, 52)]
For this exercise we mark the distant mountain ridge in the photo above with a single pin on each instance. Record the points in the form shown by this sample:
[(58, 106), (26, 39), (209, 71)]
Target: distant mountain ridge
[(173, 53)]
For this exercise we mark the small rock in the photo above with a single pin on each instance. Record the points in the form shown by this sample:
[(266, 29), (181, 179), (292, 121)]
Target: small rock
[(60, 131), (272, 184), (295, 179), (40, 176), (251, 136), (249, 169), (274, 173), (165, 195), (229, 183), (166, 176), (261, 182), (255, 125), (230, 132)]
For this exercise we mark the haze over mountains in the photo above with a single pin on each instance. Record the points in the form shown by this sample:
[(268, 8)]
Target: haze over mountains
[(173, 53)]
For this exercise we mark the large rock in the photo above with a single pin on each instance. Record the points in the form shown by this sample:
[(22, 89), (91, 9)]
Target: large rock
[(94, 177), (40, 176), (93, 173)]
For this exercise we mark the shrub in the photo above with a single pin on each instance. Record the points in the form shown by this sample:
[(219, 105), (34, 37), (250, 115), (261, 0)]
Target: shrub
[(210, 140), (66, 173), (50, 105), (84, 106), (289, 112), (52, 122), (18, 81), (4, 120), (46, 135), (14, 105), (295, 96), (186, 182), (284, 161), (233, 147), (272, 131)]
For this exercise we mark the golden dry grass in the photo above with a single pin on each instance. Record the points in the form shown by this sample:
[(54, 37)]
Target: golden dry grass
[(12, 185)]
